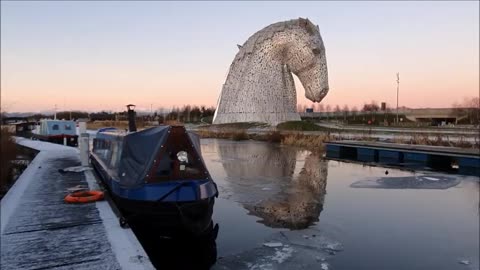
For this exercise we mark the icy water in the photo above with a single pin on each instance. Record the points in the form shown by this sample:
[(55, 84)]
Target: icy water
[(286, 208)]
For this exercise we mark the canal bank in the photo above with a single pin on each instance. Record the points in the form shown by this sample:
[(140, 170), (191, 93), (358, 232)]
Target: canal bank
[(315, 138), (447, 159), (40, 231)]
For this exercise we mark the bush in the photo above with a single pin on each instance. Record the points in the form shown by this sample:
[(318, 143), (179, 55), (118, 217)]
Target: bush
[(240, 136), (274, 137), (8, 153)]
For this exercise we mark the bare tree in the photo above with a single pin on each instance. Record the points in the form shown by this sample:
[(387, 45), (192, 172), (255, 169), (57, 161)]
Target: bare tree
[(337, 110), (301, 108), (345, 112), (328, 108), (354, 112), (471, 107), (372, 107), (321, 107)]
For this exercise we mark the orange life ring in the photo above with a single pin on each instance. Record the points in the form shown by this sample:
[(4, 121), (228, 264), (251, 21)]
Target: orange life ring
[(84, 196)]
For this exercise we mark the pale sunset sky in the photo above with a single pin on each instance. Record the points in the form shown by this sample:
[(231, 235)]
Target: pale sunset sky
[(102, 55)]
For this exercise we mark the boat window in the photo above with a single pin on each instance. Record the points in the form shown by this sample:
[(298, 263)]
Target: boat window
[(55, 127), (116, 150), (68, 127), (101, 148)]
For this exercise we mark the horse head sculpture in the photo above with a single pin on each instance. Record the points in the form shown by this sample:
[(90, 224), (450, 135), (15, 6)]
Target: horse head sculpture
[(260, 87)]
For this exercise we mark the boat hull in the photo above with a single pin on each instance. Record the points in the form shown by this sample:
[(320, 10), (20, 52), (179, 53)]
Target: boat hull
[(71, 140), (170, 216), (193, 217)]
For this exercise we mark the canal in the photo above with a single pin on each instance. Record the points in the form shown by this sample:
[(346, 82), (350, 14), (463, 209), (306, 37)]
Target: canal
[(282, 207)]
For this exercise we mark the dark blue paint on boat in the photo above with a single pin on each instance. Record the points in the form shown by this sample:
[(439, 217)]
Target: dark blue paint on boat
[(147, 179)]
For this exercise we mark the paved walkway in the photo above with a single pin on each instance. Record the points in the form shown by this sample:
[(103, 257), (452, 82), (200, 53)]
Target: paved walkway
[(40, 231)]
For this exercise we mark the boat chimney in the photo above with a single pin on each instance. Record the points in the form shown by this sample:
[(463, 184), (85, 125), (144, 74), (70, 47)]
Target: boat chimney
[(131, 118)]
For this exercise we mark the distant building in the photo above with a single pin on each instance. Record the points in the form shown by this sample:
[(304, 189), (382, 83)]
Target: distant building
[(383, 106), (435, 116)]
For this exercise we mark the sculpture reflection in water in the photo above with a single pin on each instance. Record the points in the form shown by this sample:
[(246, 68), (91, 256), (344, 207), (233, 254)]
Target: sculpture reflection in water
[(284, 186)]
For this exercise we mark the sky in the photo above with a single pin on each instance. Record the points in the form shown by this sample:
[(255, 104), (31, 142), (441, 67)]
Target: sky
[(85, 55)]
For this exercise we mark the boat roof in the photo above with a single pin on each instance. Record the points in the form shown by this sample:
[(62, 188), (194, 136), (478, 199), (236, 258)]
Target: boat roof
[(58, 121), (139, 151)]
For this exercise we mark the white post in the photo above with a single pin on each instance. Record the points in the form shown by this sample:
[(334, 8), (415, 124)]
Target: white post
[(64, 140), (82, 127), (84, 144)]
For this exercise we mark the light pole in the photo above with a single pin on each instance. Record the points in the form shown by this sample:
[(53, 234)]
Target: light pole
[(398, 88)]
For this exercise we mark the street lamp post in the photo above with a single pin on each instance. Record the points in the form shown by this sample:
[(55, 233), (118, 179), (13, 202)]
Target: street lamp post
[(398, 88)]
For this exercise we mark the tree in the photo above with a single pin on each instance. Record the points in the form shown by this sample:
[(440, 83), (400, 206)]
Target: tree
[(345, 112), (328, 108), (372, 107), (337, 111), (354, 111), (469, 107), (320, 107)]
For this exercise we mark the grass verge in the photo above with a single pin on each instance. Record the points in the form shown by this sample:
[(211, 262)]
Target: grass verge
[(299, 126)]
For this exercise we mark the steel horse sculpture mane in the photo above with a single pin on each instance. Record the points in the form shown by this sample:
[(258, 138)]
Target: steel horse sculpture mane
[(260, 87)]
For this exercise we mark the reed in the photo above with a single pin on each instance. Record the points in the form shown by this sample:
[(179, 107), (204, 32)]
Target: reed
[(309, 141), (240, 136)]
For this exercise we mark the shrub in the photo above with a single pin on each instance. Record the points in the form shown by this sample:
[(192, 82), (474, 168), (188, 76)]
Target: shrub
[(8, 151), (274, 137), (239, 136)]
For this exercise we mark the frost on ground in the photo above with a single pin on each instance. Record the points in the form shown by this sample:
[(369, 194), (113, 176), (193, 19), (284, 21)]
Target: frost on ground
[(40, 231), (284, 251), (75, 169)]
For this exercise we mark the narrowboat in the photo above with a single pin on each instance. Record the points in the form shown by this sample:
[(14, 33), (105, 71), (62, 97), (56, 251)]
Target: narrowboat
[(156, 175), (57, 131)]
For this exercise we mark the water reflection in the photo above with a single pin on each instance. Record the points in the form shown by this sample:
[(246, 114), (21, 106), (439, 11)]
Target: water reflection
[(178, 249), (283, 186)]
